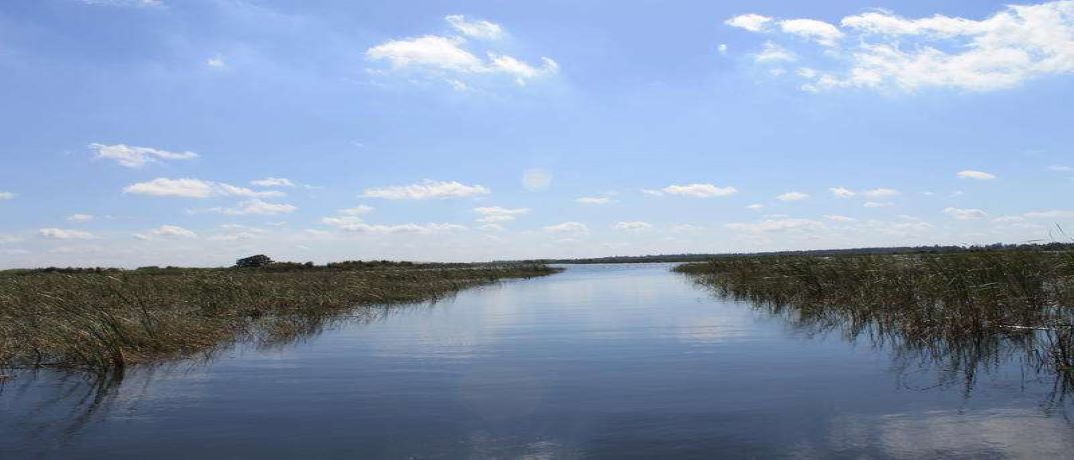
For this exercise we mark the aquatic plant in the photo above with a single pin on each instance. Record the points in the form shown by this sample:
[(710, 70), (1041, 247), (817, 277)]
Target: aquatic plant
[(107, 319), (959, 308)]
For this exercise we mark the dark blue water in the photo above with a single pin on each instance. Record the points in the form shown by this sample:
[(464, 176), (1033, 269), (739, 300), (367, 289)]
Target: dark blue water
[(600, 361)]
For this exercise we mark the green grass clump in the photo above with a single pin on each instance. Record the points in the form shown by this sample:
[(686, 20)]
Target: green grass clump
[(108, 319), (954, 307)]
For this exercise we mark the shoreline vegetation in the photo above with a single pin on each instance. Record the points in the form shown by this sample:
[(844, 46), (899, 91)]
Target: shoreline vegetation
[(102, 320), (960, 309)]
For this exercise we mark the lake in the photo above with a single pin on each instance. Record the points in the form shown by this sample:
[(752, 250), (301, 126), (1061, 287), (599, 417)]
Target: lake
[(601, 361)]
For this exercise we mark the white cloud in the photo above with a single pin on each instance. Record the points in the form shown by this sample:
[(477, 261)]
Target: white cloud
[(352, 224), (792, 196), (881, 193), (751, 22), (79, 218), (4, 196), (136, 157), (475, 28), (651, 192), (774, 53), (64, 234), (887, 51), (755, 206), (594, 200), (428, 189), (686, 228), (258, 207), (776, 225), (1061, 168), (449, 59), (819, 31), (216, 62), (965, 214), (357, 210), (568, 227), (877, 204), (273, 182), (976, 175), (166, 231), (493, 214), (722, 48), (632, 226), (536, 179), (193, 188), (1051, 214), (838, 218), (699, 190), (186, 188), (842, 192)]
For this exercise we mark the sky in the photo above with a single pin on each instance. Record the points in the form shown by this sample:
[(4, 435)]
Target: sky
[(195, 132)]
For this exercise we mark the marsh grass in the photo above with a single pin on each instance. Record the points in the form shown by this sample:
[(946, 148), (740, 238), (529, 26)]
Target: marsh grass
[(962, 310), (107, 320)]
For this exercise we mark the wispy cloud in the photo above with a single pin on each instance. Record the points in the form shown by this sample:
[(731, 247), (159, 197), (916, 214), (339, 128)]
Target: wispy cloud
[(792, 196), (975, 175), (496, 214), (64, 234), (568, 227), (965, 214), (428, 189), (194, 188), (693, 190), (166, 232), (632, 226), (137, 157)]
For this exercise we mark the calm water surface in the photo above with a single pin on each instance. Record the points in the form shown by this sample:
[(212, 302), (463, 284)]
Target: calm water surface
[(600, 361)]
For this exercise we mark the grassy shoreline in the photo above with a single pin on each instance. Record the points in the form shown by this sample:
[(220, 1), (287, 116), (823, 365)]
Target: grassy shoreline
[(103, 320), (955, 306)]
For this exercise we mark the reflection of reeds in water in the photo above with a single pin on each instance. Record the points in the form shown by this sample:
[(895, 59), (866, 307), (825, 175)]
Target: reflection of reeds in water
[(966, 311), (105, 321)]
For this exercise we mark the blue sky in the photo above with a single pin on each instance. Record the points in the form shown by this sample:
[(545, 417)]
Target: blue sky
[(194, 132)]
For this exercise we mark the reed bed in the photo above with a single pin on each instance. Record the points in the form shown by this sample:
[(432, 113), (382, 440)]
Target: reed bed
[(106, 320), (961, 308)]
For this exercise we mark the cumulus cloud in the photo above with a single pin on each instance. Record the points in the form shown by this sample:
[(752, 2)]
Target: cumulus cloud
[(257, 207), (881, 193), (494, 214), (632, 226), (792, 196), (890, 52), (812, 29), (452, 57), (751, 22), (965, 214), (428, 189), (79, 218), (975, 175), (166, 231), (193, 188), (64, 234), (694, 190), (842, 192), (568, 227), (273, 182), (136, 157), (536, 179)]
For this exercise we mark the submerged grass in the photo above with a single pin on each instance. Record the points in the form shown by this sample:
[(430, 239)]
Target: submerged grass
[(959, 308), (107, 320)]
